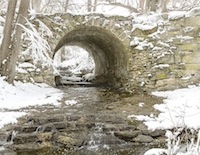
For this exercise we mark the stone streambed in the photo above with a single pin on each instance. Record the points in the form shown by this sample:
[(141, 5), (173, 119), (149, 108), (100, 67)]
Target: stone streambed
[(96, 124)]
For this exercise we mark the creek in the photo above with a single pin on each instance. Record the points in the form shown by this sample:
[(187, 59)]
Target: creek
[(89, 120)]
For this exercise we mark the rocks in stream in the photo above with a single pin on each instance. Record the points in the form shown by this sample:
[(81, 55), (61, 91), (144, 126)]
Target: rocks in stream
[(97, 122), (78, 131)]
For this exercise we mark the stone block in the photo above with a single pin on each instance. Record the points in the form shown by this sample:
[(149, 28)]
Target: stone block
[(194, 67), (47, 136), (192, 21), (161, 75), (192, 58), (25, 138), (166, 59), (68, 141), (143, 139), (164, 82), (188, 47), (127, 135)]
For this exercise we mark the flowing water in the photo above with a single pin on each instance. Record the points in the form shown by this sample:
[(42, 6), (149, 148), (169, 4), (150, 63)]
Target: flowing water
[(90, 121)]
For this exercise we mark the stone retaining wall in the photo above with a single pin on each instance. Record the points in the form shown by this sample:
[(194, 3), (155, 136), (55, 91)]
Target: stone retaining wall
[(171, 57)]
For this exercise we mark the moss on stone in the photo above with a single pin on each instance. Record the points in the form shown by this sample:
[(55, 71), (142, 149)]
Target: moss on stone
[(161, 76), (188, 47)]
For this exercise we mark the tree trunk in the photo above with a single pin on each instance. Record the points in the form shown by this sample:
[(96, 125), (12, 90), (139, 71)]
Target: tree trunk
[(89, 5), (62, 54), (153, 5), (36, 4), (163, 5), (141, 4), (95, 6), (146, 6), (22, 15), (66, 5), (7, 38)]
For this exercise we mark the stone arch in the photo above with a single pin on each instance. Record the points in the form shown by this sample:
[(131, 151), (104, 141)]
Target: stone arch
[(108, 52)]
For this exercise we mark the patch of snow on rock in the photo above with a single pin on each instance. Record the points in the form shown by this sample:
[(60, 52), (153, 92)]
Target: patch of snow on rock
[(173, 15)]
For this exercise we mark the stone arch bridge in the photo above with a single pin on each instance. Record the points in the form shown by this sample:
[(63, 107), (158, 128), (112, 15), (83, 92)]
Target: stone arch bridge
[(106, 39), (165, 56)]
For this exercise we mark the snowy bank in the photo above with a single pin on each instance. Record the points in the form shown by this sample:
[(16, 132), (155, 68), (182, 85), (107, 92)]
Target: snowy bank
[(180, 108), (23, 95)]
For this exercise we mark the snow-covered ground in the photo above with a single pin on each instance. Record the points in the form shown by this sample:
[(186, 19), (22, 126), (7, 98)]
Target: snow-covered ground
[(13, 98), (180, 109)]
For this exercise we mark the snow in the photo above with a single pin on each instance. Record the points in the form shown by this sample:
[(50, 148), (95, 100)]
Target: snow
[(112, 10), (161, 66), (176, 15), (20, 70), (70, 102), (23, 95), (10, 117), (74, 64), (140, 43), (26, 65), (180, 108), (72, 78), (144, 27), (89, 77), (141, 104), (193, 12), (155, 151)]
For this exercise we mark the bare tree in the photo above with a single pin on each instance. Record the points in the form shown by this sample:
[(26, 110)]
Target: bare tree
[(11, 42), (141, 5), (66, 5), (163, 5), (95, 5), (7, 39), (89, 5), (150, 5), (36, 4), (184, 4), (22, 15)]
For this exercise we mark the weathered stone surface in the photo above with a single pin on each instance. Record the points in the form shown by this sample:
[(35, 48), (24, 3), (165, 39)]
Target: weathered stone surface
[(3, 138), (121, 65), (25, 138), (188, 47), (127, 135), (191, 58), (46, 136), (157, 133), (32, 146), (143, 139), (164, 82), (68, 141)]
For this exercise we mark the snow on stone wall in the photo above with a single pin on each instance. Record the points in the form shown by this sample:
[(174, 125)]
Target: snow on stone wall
[(159, 52)]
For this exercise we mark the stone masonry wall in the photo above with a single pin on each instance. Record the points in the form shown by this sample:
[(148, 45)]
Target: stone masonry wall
[(168, 58), (163, 57)]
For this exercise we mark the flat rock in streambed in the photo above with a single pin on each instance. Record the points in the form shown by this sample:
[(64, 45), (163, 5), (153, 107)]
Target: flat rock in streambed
[(143, 139)]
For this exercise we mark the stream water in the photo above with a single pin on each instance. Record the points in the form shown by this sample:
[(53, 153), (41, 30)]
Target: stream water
[(90, 121)]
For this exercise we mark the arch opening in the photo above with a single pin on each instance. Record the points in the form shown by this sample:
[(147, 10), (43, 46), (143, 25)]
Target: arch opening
[(105, 48), (74, 64)]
